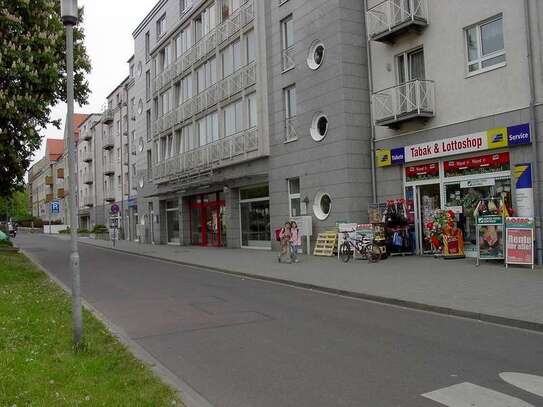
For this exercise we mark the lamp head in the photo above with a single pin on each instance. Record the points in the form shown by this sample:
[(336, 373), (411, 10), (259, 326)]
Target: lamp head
[(68, 12)]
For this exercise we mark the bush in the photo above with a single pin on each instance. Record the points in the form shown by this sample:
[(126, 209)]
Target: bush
[(6, 243), (99, 229), (64, 231), (83, 231)]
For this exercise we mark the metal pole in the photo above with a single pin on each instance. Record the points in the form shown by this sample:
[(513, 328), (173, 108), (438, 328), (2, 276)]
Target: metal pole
[(74, 256)]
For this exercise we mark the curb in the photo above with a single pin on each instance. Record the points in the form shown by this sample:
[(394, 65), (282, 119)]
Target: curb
[(477, 316), (189, 396)]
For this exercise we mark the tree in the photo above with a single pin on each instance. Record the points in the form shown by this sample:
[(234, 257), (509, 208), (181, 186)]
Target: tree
[(33, 80), (15, 207)]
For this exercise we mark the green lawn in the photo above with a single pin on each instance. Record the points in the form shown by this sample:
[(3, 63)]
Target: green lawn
[(37, 364)]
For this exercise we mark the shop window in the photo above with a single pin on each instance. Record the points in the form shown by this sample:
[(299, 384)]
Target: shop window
[(485, 45), (322, 205), (255, 217), (294, 197), (315, 57)]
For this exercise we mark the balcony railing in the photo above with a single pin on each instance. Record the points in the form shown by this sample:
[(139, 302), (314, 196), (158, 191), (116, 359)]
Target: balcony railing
[(206, 45), (87, 156), (220, 153), (109, 142), (391, 18), (88, 200), (48, 180), (60, 193), (222, 90), (107, 116), (287, 58), (88, 178), (109, 168), (408, 101), (290, 129)]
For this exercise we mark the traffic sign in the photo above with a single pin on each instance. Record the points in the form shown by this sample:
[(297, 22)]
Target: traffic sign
[(115, 208), (55, 207)]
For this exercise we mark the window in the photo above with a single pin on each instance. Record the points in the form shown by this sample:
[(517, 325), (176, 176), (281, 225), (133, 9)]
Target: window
[(183, 41), (322, 205), (316, 55), (155, 105), (206, 21), (149, 164), (185, 5), (161, 26), (147, 46), (294, 197), (131, 70), (231, 58), (287, 43), (147, 85), (229, 7), (208, 129), (186, 85), (148, 124), (319, 127), (206, 75), (290, 112), (187, 142), (485, 45), (250, 46), (232, 119), (251, 110), (255, 217), (410, 66)]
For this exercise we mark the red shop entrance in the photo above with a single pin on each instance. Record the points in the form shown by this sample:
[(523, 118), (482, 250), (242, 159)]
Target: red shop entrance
[(206, 220)]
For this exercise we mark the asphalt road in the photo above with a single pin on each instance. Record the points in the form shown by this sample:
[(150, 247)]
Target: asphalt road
[(246, 343)]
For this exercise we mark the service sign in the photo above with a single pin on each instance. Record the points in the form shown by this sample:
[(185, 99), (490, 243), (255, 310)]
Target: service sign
[(519, 241)]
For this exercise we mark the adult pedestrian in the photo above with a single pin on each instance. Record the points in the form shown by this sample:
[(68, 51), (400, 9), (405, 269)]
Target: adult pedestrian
[(284, 239), (295, 241)]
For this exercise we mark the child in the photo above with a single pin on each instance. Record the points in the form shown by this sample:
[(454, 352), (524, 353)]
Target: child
[(295, 241), (284, 237)]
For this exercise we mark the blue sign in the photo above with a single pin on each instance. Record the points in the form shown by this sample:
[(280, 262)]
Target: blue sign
[(132, 203), (55, 207), (115, 208), (398, 155), (519, 135)]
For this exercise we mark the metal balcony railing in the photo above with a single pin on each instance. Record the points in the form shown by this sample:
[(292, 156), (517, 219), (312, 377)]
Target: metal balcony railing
[(408, 101), (391, 18), (287, 59), (206, 45), (220, 153), (108, 142), (88, 178), (222, 90), (290, 129), (107, 116)]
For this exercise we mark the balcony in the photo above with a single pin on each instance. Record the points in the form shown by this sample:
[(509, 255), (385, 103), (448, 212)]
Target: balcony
[(60, 173), (230, 150), (88, 178), (109, 142), (109, 168), (390, 19), (48, 180), (60, 193), (206, 45), (87, 156), (109, 194), (233, 84), (287, 59), (88, 200), (290, 129), (49, 198), (107, 116), (409, 101)]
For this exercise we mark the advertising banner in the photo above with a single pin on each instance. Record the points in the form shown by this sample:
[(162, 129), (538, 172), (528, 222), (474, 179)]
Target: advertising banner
[(519, 241), (524, 193), (490, 238)]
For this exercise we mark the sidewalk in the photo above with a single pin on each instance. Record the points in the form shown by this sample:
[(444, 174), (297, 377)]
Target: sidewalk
[(488, 292)]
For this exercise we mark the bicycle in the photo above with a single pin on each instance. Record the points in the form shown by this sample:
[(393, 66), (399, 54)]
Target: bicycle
[(364, 247)]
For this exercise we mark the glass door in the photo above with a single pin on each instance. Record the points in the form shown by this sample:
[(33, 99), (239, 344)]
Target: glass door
[(213, 225), (428, 200)]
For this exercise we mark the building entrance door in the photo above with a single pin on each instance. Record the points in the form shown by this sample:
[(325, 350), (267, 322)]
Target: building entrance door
[(206, 221), (428, 200)]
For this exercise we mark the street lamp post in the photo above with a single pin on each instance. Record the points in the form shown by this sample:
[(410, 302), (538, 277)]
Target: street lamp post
[(69, 14)]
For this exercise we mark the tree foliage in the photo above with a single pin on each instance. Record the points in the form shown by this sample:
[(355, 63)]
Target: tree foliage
[(16, 206), (33, 80)]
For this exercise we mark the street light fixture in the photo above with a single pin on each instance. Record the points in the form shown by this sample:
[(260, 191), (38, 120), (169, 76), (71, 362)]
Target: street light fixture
[(69, 15)]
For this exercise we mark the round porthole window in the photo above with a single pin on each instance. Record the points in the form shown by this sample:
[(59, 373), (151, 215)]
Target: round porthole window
[(140, 107), (322, 205), (140, 145), (315, 58), (319, 126)]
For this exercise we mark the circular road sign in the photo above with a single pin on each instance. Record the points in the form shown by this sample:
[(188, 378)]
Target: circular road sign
[(115, 208)]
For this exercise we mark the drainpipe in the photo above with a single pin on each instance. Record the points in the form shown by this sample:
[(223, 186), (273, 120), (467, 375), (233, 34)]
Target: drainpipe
[(372, 125), (534, 127)]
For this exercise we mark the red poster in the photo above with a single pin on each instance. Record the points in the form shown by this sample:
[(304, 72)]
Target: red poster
[(520, 249), (498, 161)]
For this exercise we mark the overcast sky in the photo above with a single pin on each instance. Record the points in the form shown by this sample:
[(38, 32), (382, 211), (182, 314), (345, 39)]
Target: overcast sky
[(108, 29)]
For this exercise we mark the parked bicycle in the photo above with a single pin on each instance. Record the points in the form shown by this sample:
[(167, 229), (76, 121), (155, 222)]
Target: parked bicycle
[(362, 246)]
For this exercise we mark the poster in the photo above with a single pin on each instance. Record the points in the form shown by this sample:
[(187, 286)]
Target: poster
[(520, 241), (490, 234), (524, 193)]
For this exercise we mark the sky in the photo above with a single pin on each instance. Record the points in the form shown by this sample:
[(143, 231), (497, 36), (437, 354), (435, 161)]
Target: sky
[(108, 29)]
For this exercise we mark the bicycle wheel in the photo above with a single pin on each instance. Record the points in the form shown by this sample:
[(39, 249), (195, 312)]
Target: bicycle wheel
[(345, 252)]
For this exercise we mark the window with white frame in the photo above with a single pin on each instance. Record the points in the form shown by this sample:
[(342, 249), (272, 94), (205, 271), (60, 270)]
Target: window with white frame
[(229, 7), (186, 87), (287, 42), (183, 41), (161, 26), (251, 110), (205, 21), (294, 201), (208, 129), (250, 46), (233, 118), (485, 45), (206, 74), (231, 58), (147, 85), (185, 5), (147, 46), (290, 112), (187, 139)]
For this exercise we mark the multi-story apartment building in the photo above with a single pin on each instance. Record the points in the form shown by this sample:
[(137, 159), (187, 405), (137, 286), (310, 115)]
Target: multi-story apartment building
[(457, 88), (243, 122)]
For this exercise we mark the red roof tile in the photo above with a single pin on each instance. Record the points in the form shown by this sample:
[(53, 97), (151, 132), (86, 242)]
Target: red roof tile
[(54, 148)]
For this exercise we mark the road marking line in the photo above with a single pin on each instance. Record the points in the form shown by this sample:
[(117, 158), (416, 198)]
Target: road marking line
[(471, 395), (530, 383)]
